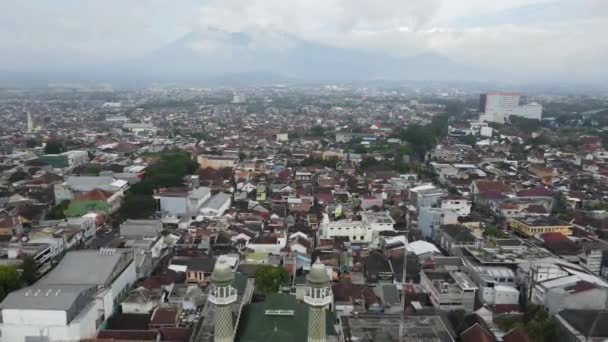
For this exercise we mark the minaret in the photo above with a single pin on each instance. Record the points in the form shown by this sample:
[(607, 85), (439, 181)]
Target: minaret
[(222, 295), (30, 123), (318, 296)]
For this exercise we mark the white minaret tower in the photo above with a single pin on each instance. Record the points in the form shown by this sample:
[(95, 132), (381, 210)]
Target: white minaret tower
[(30, 123), (222, 295), (318, 296)]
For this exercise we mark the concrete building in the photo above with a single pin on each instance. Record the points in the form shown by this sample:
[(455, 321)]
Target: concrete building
[(72, 301), (217, 162), (453, 237), (216, 206), (67, 160), (426, 196), (430, 219), (532, 225), (571, 292), (499, 107), (282, 137), (582, 325), (182, 203), (366, 230), (462, 206), (76, 185), (137, 128), (449, 290)]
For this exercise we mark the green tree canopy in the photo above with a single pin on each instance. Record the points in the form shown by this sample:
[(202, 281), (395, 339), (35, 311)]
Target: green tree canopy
[(9, 280), (268, 278), (28, 270), (18, 175), (54, 147), (137, 206), (57, 212)]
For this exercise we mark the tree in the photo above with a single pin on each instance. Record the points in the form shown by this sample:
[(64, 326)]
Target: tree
[(536, 322), (9, 280), (137, 206), (31, 143), (57, 212), (18, 175), (469, 140), (28, 270), (54, 147), (560, 204), (269, 278), (316, 131)]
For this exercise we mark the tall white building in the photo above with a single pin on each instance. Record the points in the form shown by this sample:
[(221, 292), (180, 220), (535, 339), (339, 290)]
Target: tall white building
[(499, 107), (30, 123)]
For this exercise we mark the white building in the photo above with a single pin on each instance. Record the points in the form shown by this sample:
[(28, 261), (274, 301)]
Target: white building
[(449, 290), (75, 185), (282, 137), (72, 302), (216, 206), (430, 219), (137, 127), (182, 202), (500, 295), (366, 230), (461, 206), (499, 107)]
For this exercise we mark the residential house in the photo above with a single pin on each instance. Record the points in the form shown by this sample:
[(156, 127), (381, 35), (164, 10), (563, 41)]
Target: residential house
[(197, 269)]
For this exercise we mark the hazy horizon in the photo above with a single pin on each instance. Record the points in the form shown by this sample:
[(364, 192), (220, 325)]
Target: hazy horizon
[(435, 39)]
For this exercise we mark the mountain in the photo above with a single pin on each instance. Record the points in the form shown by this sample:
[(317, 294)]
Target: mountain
[(214, 57), (213, 54)]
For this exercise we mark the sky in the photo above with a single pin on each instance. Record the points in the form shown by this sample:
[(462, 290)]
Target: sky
[(554, 36)]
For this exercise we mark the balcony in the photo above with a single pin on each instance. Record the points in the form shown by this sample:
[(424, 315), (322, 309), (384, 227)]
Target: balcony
[(222, 295), (318, 297)]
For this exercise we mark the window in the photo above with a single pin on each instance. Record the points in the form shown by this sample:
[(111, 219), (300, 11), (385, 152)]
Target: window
[(362, 237)]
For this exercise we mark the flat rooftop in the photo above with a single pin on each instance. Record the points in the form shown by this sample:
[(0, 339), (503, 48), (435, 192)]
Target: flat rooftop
[(505, 255), (394, 328), (377, 217), (541, 221)]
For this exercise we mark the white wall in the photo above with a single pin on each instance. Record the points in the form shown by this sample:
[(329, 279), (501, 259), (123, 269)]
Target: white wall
[(126, 278), (461, 206), (173, 205), (23, 325)]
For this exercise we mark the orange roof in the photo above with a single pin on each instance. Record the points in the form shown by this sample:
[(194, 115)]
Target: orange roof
[(94, 195)]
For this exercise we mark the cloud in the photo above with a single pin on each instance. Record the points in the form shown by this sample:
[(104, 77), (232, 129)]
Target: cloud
[(514, 35), (407, 27)]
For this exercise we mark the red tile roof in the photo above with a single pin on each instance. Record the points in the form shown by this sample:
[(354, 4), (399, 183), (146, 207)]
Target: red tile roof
[(516, 335), (175, 334), (535, 192), (581, 286), (164, 316), (477, 333), (492, 186), (94, 195), (127, 335)]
